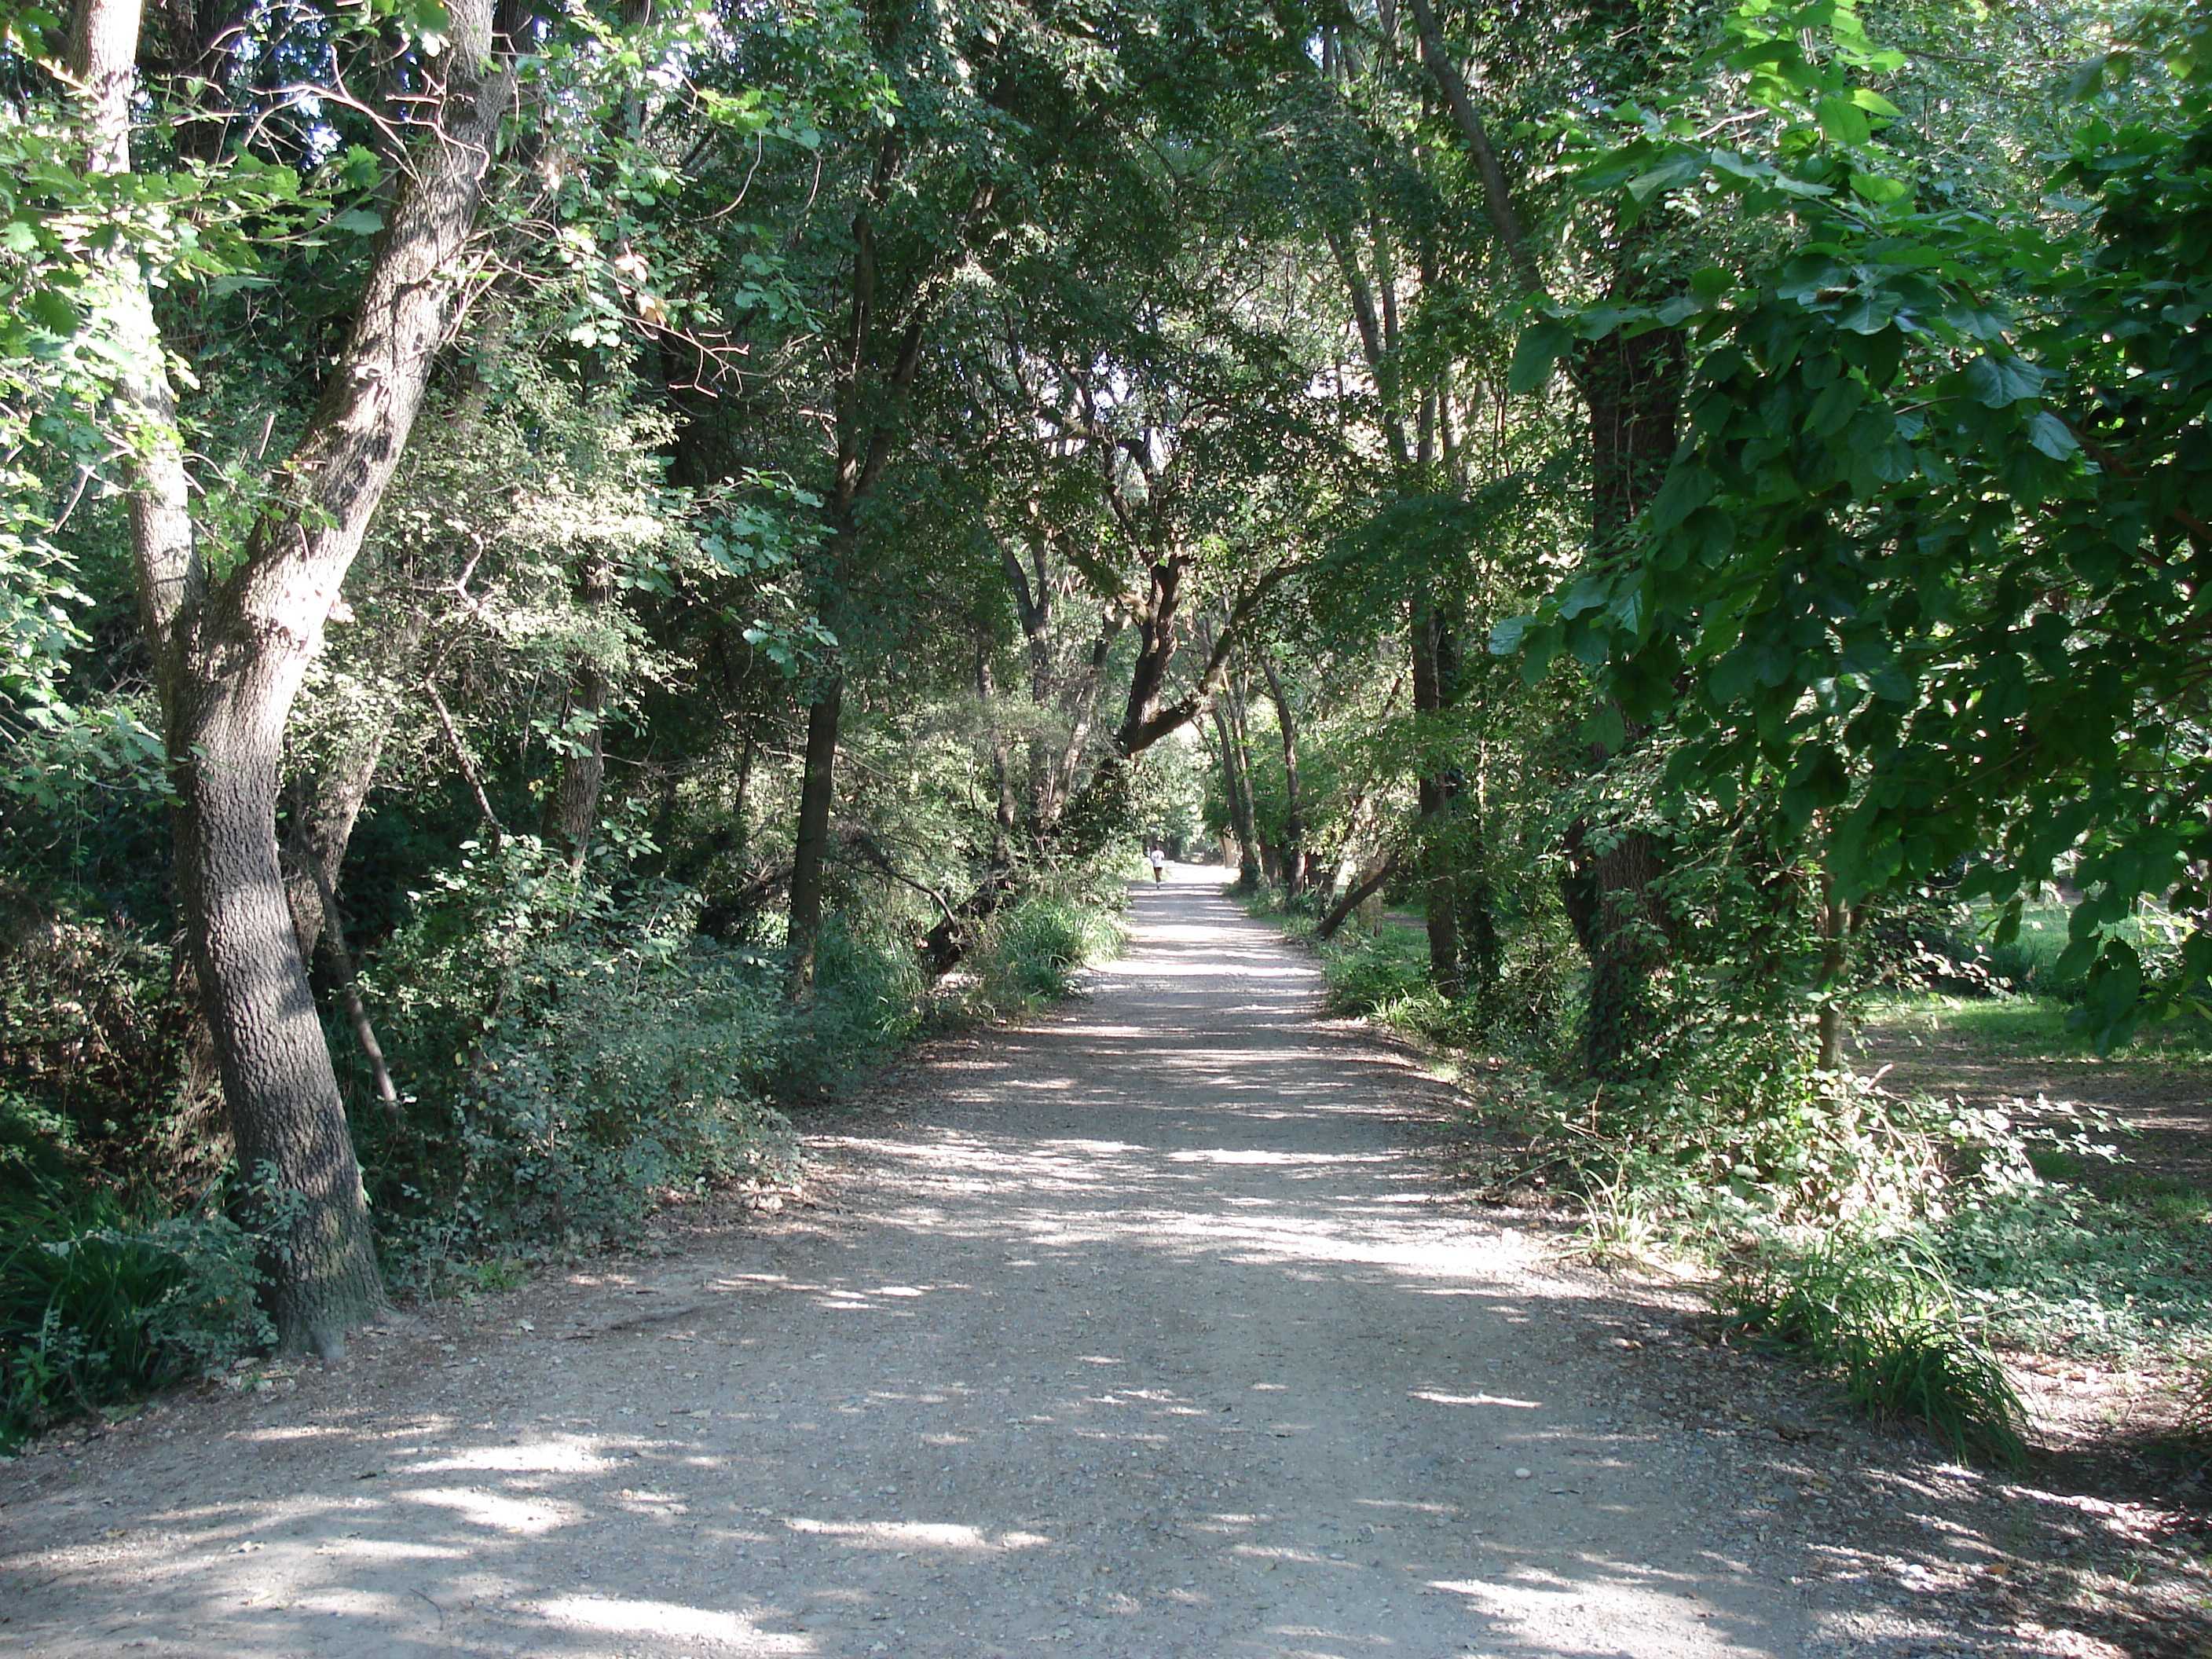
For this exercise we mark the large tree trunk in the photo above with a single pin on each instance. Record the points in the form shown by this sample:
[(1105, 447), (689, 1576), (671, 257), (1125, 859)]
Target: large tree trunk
[(1632, 390), (810, 851), (230, 655), (1235, 783)]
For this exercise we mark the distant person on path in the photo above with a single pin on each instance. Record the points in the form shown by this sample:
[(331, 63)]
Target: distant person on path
[(1159, 864)]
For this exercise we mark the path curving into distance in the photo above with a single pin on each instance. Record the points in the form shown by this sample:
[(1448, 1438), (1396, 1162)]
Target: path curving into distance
[(1144, 1332)]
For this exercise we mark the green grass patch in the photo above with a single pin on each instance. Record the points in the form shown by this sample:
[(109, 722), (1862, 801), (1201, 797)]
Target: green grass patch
[(1033, 952), (2029, 1029), (1884, 1316)]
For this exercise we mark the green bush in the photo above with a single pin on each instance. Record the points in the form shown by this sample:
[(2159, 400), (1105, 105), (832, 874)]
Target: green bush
[(96, 1308), (92, 1043), (1882, 1313), (569, 1061)]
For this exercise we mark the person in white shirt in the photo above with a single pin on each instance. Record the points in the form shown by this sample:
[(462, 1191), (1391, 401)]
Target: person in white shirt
[(1159, 864)]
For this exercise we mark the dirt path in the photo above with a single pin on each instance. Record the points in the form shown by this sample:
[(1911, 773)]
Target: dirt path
[(1149, 1332)]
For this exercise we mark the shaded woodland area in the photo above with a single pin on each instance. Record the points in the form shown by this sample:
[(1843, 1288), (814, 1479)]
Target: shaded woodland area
[(572, 577)]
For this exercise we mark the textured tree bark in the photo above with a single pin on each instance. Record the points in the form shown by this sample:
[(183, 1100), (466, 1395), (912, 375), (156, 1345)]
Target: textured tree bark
[(229, 656), (810, 850)]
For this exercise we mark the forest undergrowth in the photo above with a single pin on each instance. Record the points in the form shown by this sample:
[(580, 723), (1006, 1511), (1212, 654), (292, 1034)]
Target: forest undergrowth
[(1912, 1244), (574, 1054)]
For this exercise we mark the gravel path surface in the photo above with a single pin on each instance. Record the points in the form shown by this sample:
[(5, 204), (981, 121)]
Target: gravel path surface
[(1143, 1331)]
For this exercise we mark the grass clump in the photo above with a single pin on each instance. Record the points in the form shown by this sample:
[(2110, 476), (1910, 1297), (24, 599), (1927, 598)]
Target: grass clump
[(1037, 948), (1885, 1316)]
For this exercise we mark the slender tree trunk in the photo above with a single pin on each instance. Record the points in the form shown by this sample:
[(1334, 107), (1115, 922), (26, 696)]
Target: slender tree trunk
[(1255, 860), (325, 807), (364, 1032), (1006, 811), (1295, 876), (1439, 884), (1239, 802), (326, 804), (811, 852), (1839, 926), (320, 815), (869, 404), (572, 804), (1630, 388), (1481, 949), (1081, 707), (230, 654)]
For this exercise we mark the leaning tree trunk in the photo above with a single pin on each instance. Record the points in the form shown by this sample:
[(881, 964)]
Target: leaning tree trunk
[(230, 653)]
